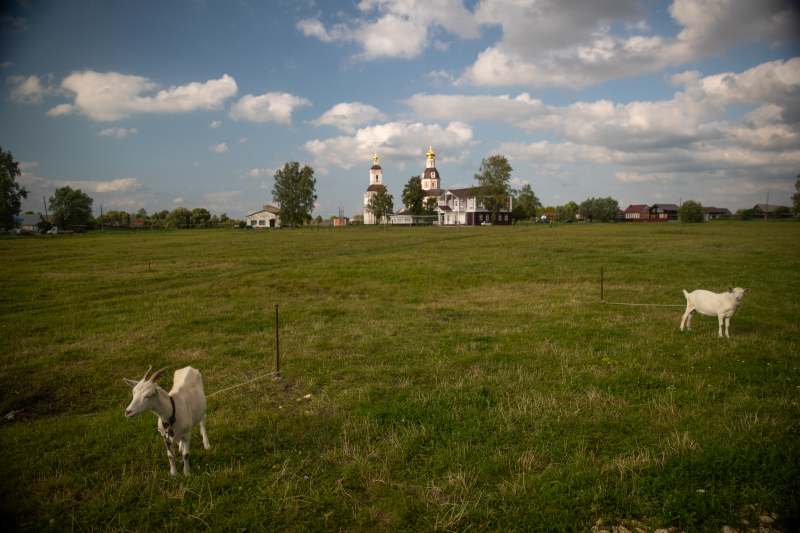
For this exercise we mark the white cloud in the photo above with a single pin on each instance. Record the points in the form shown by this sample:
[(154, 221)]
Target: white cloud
[(686, 137), (117, 132), (552, 43), (277, 107), (25, 165), (177, 200), (396, 141), (242, 140), (215, 124), (220, 148), (396, 28), (346, 116), (113, 96), (258, 172), (6, 64), (29, 90)]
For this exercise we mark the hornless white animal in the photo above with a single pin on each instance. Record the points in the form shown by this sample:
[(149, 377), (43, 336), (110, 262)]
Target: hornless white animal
[(178, 412), (709, 303)]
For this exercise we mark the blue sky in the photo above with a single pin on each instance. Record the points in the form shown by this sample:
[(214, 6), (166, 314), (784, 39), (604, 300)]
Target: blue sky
[(192, 103)]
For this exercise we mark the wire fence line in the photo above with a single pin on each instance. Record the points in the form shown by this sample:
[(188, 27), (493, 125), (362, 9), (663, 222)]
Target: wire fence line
[(651, 305), (242, 384)]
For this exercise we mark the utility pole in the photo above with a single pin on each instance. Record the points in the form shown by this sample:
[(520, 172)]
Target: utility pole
[(767, 208), (102, 221)]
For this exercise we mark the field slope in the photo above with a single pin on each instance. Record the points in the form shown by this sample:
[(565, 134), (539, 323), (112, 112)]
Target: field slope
[(459, 380)]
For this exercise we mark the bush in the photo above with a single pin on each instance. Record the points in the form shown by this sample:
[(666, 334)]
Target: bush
[(691, 211), (750, 214)]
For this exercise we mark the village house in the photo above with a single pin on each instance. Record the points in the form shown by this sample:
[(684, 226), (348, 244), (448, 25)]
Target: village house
[(713, 213), (769, 209), (263, 219), (637, 211), (668, 211), (344, 221), (31, 222)]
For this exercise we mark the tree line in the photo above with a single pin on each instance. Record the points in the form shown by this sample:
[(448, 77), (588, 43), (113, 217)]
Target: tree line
[(294, 192)]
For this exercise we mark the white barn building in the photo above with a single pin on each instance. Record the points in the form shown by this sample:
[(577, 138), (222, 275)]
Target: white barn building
[(264, 219)]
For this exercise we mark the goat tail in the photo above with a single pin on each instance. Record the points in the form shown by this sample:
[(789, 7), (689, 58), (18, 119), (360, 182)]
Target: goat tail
[(686, 294)]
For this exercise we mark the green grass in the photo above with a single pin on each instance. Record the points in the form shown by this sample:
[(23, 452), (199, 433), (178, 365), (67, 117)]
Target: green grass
[(460, 379)]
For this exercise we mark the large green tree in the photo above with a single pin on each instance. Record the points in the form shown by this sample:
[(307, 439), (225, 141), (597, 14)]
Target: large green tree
[(493, 190), (431, 203), (603, 209), (527, 200), (10, 190), (587, 209), (606, 209), (70, 207), (381, 203), (178, 219), (294, 191), (566, 211), (414, 196), (691, 211), (796, 198), (201, 218)]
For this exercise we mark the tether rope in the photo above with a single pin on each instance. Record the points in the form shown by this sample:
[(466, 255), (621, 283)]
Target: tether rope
[(245, 383), (651, 305)]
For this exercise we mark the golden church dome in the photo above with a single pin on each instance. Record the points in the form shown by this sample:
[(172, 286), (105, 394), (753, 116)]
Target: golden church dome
[(430, 154)]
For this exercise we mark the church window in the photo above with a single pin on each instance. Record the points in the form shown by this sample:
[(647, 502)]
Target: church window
[(433, 174)]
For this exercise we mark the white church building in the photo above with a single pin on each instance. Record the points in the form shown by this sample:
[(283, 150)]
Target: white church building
[(375, 183), (455, 206)]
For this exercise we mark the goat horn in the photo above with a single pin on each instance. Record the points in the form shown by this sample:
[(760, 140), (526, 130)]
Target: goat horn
[(157, 375), (148, 371)]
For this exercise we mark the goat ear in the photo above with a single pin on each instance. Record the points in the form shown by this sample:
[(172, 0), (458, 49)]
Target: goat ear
[(747, 290), (730, 289), (130, 382)]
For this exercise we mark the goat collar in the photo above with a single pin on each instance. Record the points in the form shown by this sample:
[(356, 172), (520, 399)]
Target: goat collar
[(167, 425)]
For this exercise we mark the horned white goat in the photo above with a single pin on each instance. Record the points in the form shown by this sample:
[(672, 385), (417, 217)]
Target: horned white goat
[(178, 412), (709, 303)]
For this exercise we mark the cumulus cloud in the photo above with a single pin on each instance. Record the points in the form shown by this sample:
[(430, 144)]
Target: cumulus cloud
[(117, 132), (658, 142), (396, 28), (215, 124), (177, 200), (258, 172), (29, 90), (113, 96), (242, 140), (346, 116), (276, 107), (395, 141), (220, 148), (552, 43)]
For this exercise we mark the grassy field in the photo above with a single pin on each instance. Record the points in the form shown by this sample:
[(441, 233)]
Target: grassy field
[(460, 380)]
